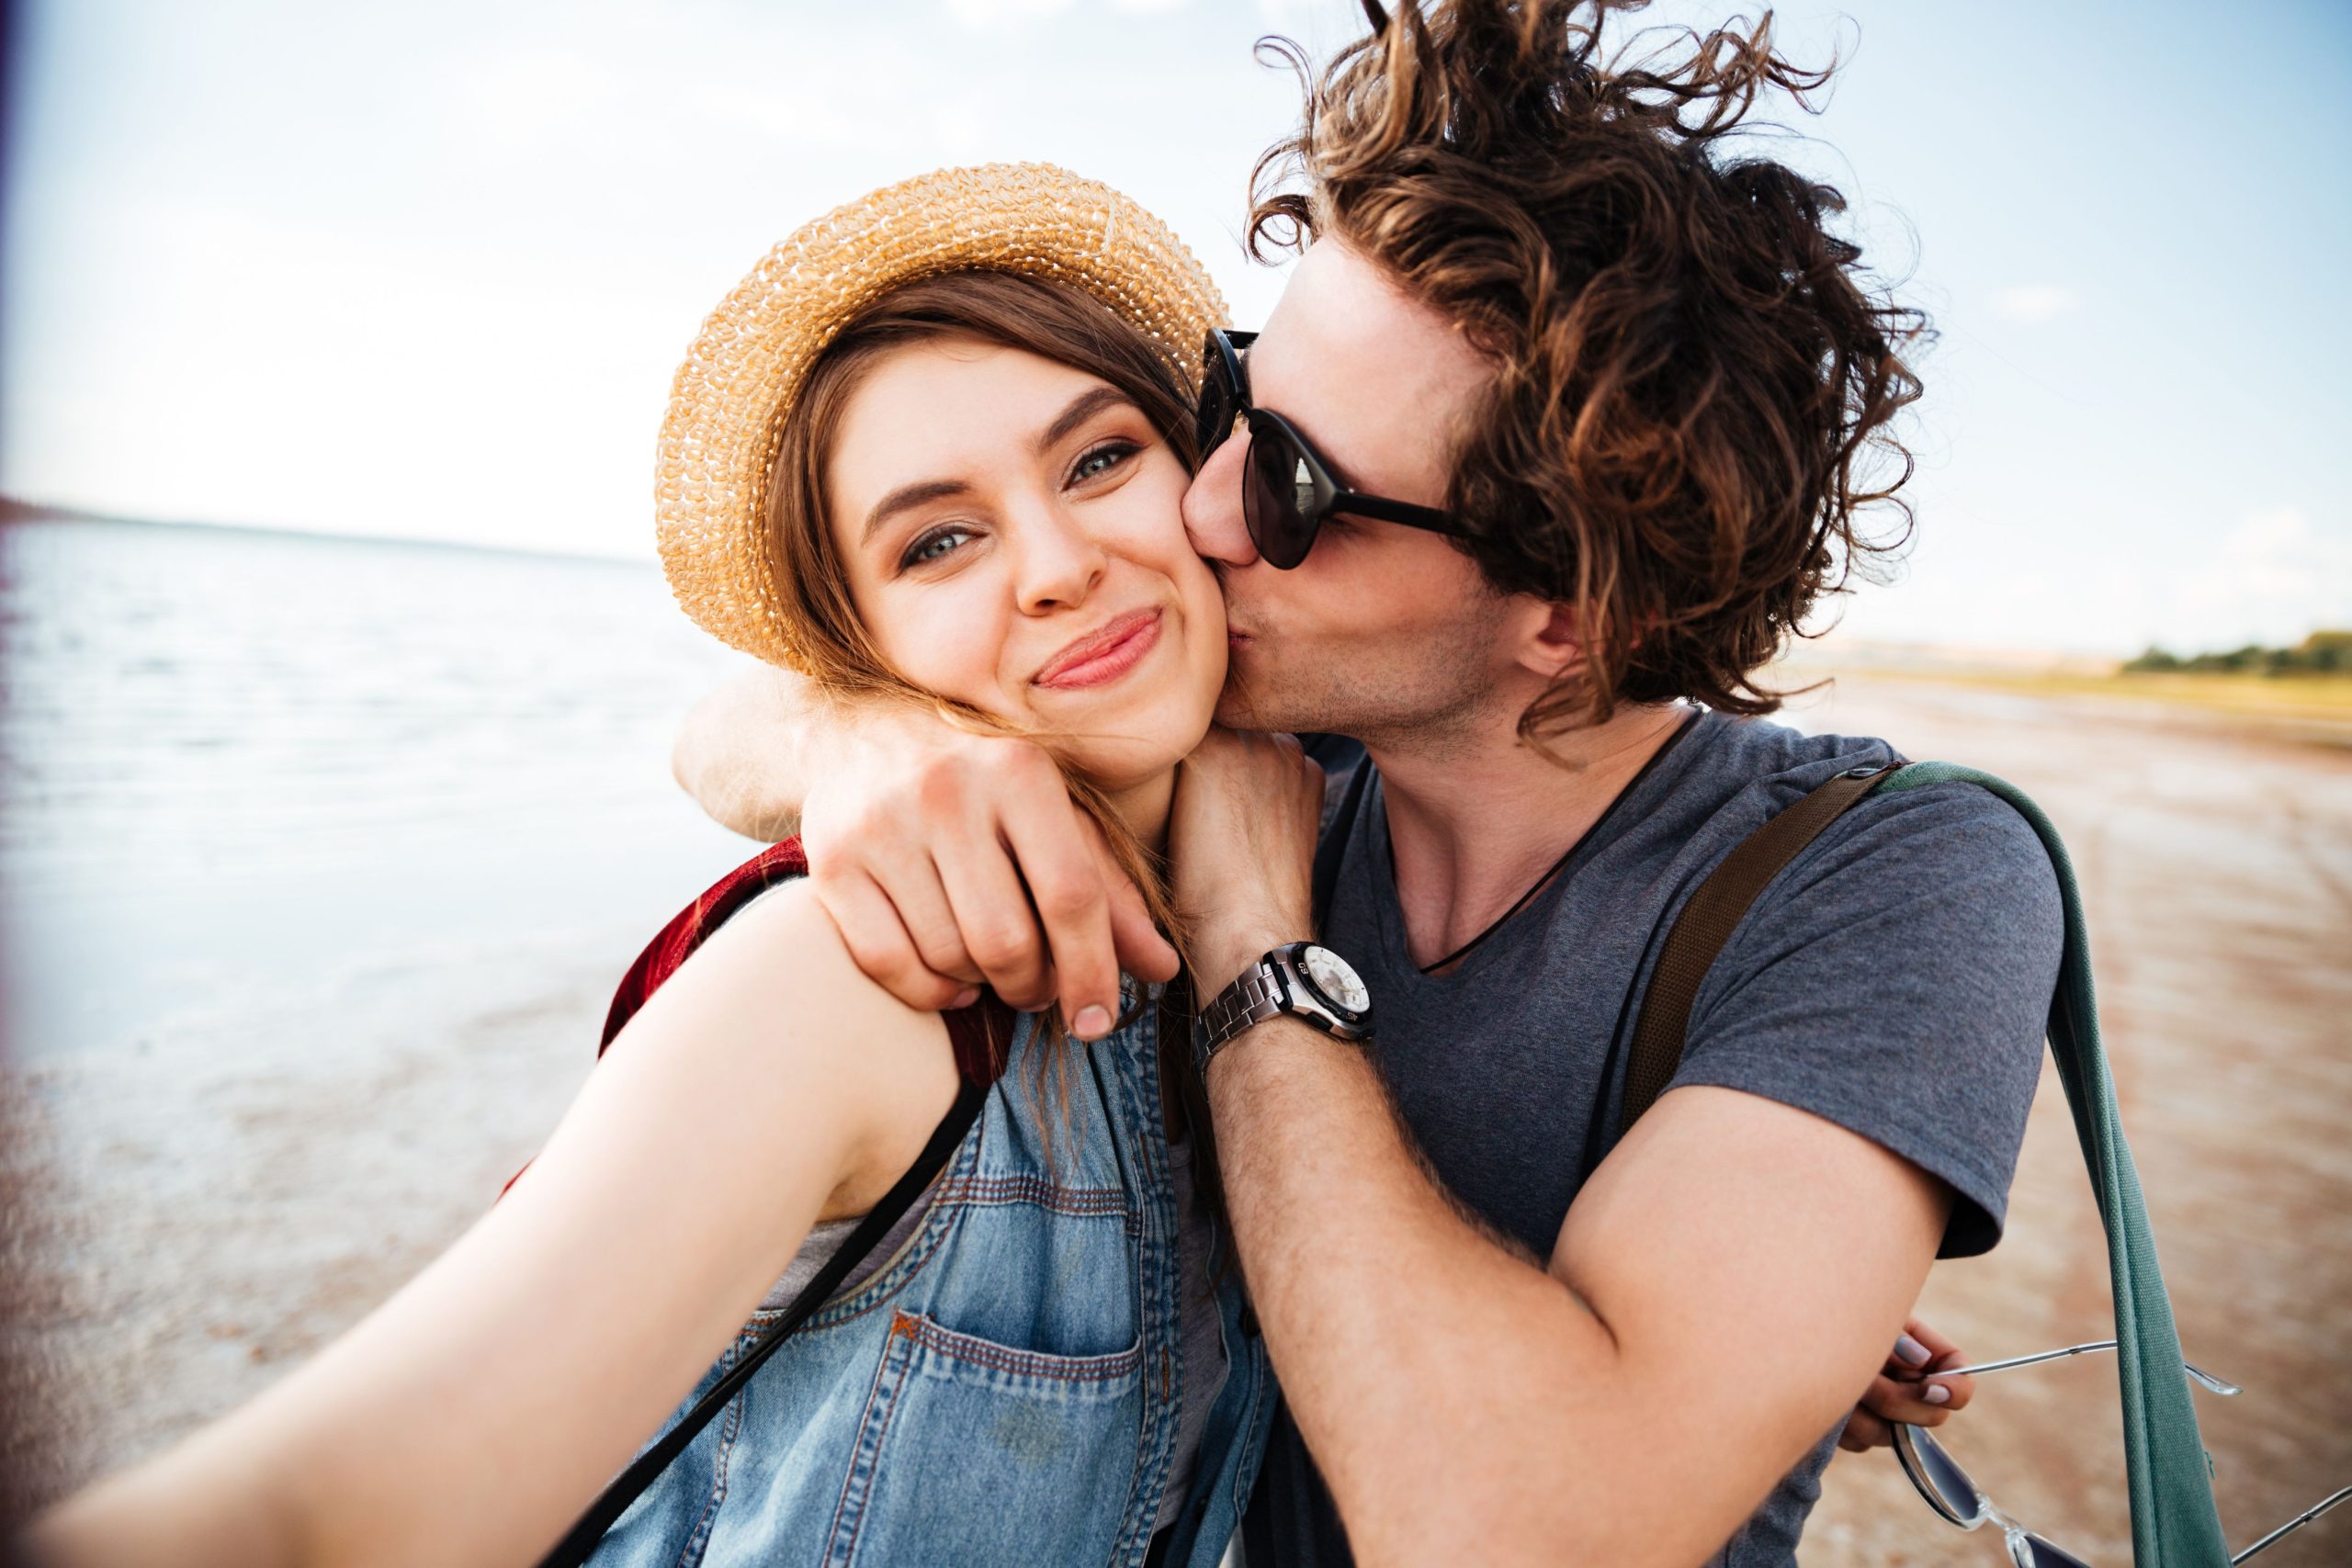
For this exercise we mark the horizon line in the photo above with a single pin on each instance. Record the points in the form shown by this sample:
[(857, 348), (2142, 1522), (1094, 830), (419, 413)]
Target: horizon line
[(16, 509)]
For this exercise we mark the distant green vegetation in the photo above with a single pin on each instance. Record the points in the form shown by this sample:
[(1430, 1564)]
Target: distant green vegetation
[(2322, 653)]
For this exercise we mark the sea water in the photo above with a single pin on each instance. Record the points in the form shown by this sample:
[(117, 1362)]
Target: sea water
[(241, 765)]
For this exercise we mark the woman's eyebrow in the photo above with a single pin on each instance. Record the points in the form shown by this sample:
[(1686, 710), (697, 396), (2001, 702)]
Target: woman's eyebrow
[(1083, 407), (908, 497)]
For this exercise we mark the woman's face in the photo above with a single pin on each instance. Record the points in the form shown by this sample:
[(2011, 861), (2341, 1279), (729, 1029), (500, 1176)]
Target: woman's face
[(1013, 541)]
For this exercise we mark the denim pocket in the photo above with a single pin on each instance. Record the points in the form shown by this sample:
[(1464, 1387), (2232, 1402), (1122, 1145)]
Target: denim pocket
[(974, 1453)]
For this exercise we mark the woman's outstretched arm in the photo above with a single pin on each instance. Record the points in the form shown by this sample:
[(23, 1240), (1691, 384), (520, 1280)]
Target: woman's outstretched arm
[(472, 1417)]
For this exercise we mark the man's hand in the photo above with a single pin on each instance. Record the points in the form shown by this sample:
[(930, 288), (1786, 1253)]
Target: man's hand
[(1904, 1389), (949, 859), (1241, 848)]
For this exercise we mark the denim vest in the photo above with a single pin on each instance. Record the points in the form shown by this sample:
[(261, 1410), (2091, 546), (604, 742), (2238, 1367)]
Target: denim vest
[(1004, 1391)]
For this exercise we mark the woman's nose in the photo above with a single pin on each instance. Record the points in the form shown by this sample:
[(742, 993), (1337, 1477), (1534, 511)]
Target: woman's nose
[(1213, 514), (1060, 561)]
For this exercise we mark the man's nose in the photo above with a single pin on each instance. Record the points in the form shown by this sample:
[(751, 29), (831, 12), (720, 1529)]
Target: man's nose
[(1213, 514)]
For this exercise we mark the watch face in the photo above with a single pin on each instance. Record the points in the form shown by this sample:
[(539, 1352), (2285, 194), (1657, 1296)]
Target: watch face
[(1339, 984)]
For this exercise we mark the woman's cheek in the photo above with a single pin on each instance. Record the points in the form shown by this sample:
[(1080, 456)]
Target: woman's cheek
[(1203, 601), (1202, 592), (950, 647)]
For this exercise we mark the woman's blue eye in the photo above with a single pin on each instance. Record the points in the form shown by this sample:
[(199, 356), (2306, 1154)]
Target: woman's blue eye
[(936, 546)]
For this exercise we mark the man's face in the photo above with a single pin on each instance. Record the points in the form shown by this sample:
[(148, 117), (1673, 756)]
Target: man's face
[(1385, 633)]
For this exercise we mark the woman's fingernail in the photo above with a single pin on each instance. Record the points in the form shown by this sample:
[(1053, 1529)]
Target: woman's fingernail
[(1092, 1023), (965, 998), (1910, 1349), (1937, 1394)]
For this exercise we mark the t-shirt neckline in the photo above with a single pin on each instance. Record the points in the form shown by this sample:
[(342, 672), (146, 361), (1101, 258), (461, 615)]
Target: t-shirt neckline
[(1656, 778)]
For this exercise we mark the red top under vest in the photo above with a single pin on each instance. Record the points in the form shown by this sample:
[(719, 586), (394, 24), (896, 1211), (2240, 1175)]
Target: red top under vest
[(982, 1033)]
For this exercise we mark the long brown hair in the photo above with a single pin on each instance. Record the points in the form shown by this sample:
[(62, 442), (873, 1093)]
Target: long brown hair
[(1694, 377), (1054, 320)]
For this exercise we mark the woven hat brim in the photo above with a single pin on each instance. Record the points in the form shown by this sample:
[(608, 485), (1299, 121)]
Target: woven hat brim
[(729, 398)]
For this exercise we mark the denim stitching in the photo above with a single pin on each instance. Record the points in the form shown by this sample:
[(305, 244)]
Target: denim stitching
[(1080, 1202), (1045, 1194), (1156, 1262), (961, 1190), (867, 1458), (690, 1555), (1027, 1363)]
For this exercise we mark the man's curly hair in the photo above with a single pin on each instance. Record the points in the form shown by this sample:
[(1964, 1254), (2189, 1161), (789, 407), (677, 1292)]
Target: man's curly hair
[(1694, 377)]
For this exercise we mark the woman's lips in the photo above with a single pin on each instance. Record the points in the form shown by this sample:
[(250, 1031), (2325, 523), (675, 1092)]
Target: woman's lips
[(1102, 656)]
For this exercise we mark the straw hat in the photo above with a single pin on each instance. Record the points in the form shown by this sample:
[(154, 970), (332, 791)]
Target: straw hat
[(739, 381)]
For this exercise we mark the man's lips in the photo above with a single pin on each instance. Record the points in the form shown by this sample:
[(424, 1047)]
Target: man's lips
[(1103, 655)]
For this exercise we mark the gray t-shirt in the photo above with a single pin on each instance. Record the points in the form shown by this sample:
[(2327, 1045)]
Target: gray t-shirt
[(1893, 979)]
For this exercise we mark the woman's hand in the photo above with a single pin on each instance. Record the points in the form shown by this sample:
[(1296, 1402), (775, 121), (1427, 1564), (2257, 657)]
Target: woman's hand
[(1241, 849), (1905, 1390), (950, 859)]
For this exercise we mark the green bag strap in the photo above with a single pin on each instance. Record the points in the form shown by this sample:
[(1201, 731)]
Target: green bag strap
[(2172, 1521), (1706, 922)]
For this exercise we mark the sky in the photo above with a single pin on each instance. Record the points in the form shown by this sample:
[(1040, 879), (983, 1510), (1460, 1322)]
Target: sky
[(426, 270)]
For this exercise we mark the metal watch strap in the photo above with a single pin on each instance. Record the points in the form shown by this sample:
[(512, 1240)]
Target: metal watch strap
[(1253, 999)]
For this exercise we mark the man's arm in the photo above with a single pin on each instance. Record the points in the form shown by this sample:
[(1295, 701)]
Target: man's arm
[(1719, 1294), (948, 858), (739, 754), (1722, 1292)]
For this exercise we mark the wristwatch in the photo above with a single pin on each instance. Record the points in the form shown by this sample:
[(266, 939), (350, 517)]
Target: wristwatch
[(1303, 979)]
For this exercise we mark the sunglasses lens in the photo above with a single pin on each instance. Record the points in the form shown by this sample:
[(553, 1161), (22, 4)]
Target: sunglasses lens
[(2040, 1554), (1936, 1471), (1278, 499)]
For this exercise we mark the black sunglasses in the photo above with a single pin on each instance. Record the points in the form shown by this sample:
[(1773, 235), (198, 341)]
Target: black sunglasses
[(1287, 488)]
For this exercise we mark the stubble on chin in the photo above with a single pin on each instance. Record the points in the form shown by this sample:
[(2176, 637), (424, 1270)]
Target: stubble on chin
[(1431, 694)]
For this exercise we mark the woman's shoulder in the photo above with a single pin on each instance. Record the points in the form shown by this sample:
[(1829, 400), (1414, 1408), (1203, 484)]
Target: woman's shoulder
[(784, 951), (767, 902), (776, 981)]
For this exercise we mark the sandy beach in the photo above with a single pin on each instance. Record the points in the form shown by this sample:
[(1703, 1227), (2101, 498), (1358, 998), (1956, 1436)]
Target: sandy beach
[(211, 1202), (190, 1233), (2216, 870)]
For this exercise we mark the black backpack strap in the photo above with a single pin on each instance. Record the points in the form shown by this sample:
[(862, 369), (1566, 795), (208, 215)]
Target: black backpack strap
[(576, 1546), (1706, 923)]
